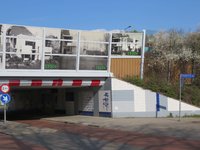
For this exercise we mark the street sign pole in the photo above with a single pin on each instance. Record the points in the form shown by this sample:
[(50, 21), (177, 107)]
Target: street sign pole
[(5, 113), (183, 76), (5, 98), (180, 101)]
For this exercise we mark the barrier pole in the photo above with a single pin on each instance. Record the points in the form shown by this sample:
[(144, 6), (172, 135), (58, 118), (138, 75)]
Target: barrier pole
[(4, 113)]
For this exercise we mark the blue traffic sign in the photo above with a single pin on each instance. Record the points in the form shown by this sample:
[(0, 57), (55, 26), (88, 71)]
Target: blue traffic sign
[(5, 98), (187, 75)]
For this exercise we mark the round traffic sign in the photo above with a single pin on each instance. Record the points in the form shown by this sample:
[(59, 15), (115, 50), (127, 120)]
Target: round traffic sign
[(5, 88), (5, 98)]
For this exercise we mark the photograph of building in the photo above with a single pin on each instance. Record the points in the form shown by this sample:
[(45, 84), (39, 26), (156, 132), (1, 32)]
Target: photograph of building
[(23, 49), (94, 43), (131, 44)]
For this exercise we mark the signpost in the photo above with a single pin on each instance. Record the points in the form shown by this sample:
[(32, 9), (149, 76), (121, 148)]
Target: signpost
[(5, 88), (181, 85), (5, 98)]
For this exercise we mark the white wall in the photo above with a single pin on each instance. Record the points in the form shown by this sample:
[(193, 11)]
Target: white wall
[(143, 103)]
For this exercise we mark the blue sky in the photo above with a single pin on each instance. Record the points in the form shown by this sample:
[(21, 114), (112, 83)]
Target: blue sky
[(102, 14)]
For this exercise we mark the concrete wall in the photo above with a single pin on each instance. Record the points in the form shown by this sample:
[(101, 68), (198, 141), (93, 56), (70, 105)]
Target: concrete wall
[(132, 101)]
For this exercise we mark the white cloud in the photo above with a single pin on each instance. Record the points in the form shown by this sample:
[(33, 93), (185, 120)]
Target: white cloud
[(104, 30)]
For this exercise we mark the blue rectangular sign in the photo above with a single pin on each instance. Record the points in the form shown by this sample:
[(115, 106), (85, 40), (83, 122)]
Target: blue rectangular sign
[(187, 75)]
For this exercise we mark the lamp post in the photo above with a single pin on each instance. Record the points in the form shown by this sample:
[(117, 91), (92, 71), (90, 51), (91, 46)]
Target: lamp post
[(127, 28), (123, 37)]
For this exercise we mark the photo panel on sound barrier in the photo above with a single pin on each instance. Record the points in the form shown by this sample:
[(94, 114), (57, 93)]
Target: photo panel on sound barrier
[(0, 61), (132, 44), (60, 47), (61, 34), (1, 44), (22, 45), (100, 49), (1, 37), (94, 36), (23, 61), (93, 63), (53, 62), (24, 31), (1, 29), (126, 49)]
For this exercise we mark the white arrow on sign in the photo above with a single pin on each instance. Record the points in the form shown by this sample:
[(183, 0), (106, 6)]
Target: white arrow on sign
[(5, 98)]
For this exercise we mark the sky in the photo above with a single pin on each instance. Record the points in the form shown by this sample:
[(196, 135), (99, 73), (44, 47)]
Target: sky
[(102, 15)]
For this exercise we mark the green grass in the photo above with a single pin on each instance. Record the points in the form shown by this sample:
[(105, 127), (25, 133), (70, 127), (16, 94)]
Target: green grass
[(193, 115), (189, 94)]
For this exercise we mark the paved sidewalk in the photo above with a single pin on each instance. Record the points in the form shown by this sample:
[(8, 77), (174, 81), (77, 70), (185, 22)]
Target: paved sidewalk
[(188, 127)]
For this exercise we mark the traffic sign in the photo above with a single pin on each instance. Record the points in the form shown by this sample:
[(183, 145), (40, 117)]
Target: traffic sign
[(187, 75), (5, 98), (5, 88)]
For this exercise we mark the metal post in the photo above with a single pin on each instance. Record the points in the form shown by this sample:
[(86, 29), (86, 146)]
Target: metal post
[(78, 51), (43, 50), (4, 113), (109, 52), (142, 54), (180, 101)]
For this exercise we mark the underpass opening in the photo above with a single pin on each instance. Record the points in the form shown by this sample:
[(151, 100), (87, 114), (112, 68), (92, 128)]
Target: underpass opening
[(72, 97)]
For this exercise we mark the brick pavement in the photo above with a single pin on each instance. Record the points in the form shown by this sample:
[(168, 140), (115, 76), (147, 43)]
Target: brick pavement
[(142, 140), (8, 142)]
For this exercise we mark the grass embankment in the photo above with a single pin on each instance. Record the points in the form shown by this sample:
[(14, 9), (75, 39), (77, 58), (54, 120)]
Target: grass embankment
[(190, 93)]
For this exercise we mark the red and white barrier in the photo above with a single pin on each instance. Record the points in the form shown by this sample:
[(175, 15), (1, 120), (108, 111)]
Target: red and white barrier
[(52, 82)]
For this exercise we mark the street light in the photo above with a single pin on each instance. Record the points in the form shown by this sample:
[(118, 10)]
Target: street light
[(127, 27)]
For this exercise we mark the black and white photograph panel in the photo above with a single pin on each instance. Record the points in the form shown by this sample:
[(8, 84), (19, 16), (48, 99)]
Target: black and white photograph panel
[(100, 49), (24, 31), (126, 49), (1, 44), (1, 29), (1, 37), (0, 60), (94, 36), (53, 62), (61, 34), (22, 45), (93, 63), (133, 47), (23, 61), (53, 33), (60, 47)]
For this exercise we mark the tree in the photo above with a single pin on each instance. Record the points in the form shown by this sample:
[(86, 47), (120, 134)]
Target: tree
[(167, 46), (192, 41), (133, 31)]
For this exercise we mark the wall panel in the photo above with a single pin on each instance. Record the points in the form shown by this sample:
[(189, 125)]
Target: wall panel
[(125, 66)]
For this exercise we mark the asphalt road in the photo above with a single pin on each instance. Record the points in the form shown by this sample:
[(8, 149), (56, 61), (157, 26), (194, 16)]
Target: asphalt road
[(117, 133), (86, 137)]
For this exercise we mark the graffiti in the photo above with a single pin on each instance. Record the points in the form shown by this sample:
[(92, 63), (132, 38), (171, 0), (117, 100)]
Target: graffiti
[(106, 101)]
